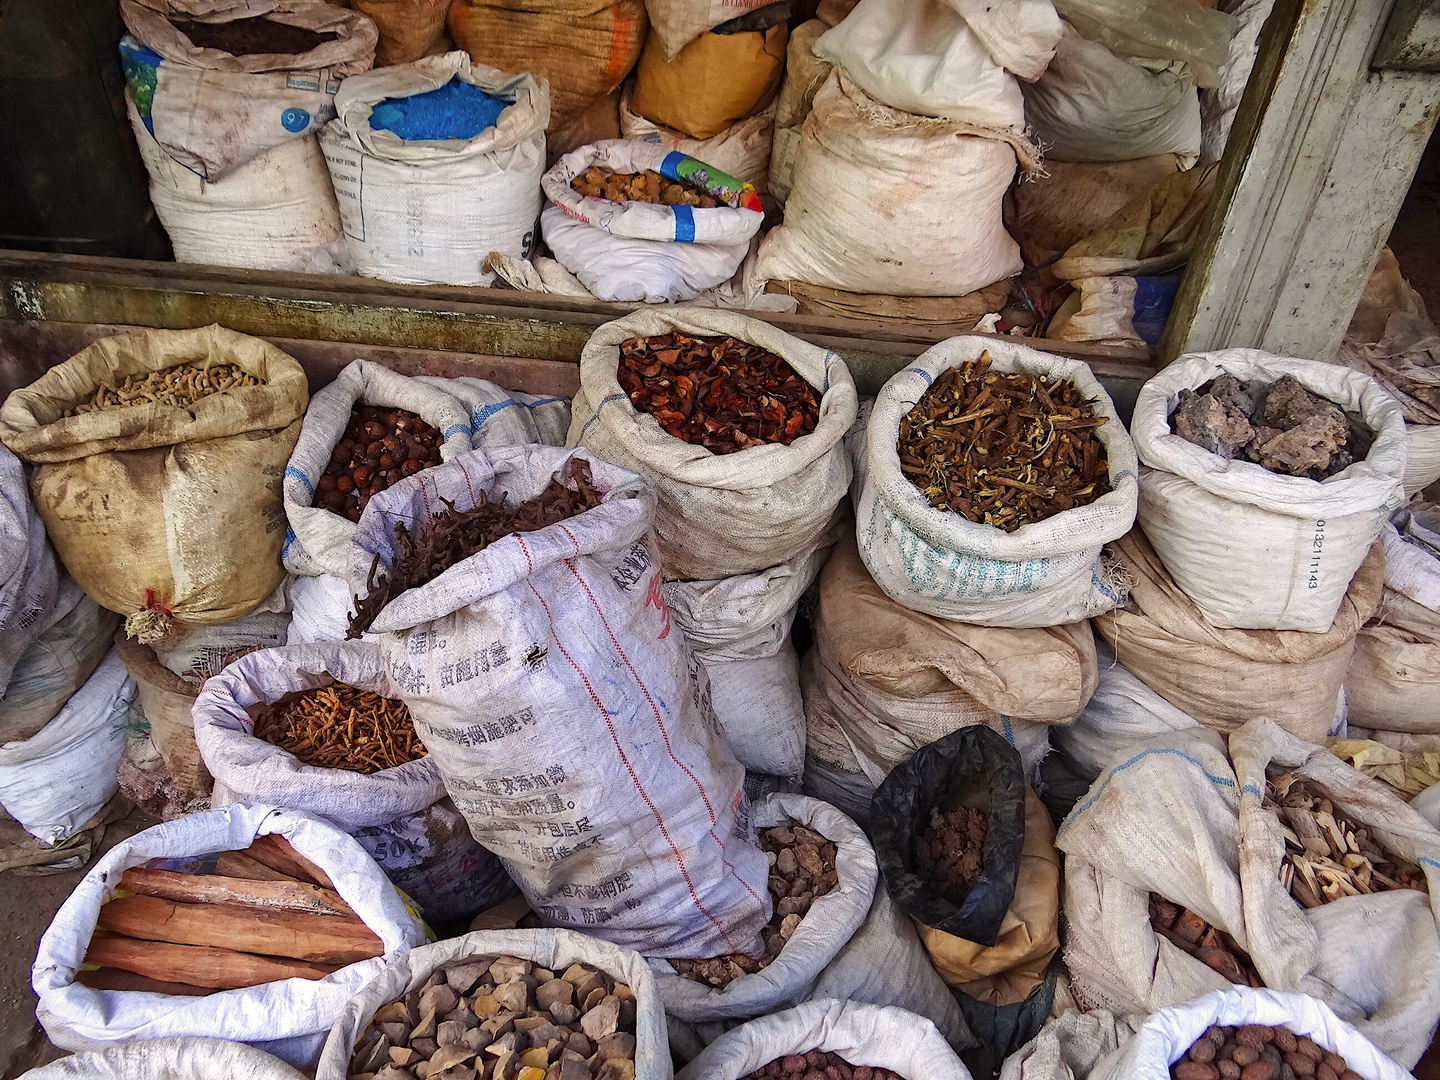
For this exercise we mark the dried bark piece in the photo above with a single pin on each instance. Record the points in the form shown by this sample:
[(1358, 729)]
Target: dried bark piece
[(647, 187), (1204, 421)]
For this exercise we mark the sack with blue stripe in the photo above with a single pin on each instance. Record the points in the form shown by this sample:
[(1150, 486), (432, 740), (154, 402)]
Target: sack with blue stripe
[(500, 417), (643, 251), (936, 561), (319, 540)]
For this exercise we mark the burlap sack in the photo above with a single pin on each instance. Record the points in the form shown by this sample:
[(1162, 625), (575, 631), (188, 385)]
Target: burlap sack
[(164, 513), (409, 29), (166, 700), (1224, 678), (715, 81), (583, 48)]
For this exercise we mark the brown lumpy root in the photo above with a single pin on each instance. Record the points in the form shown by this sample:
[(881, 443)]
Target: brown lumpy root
[(647, 187), (950, 854), (180, 386), (1003, 448)]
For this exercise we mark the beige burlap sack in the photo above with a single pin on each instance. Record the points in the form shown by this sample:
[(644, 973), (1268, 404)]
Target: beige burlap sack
[(166, 700), (1224, 678), (168, 515)]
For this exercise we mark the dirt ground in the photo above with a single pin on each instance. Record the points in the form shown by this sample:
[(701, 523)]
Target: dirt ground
[(27, 904)]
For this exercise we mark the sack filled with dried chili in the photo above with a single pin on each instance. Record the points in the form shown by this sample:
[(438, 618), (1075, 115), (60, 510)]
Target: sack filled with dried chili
[(723, 514), (556, 698), (938, 561), (316, 728)]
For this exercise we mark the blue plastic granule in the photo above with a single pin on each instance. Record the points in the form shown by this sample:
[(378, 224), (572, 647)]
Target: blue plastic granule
[(455, 111)]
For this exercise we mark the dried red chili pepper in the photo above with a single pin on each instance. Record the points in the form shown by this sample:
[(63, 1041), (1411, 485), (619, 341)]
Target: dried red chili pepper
[(717, 392)]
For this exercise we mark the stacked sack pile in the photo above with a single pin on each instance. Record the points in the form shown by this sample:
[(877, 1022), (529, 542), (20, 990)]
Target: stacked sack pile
[(485, 746)]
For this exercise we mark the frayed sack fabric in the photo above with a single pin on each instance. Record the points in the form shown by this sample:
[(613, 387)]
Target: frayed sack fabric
[(500, 417), (824, 930), (1091, 105), (213, 112), (1251, 548), (550, 655), (1393, 675), (29, 578), (719, 515), (1370, 958), (288, 1018), (319, 540), (56, 664), (676, 23), (190, 525), (275, 212), (1163, 30), (1069, 1046), (608, 245), (254, 771), (165, 701), (805, 73), (874, 1035), (1042, 574), (1224, 678), (1164, 1037), (742, 150), (1162, 818), (739, 632), (555, 950), (169, 1059), (432, 211), (582, 48), (58, 779), (943, 233), (1121, 712)]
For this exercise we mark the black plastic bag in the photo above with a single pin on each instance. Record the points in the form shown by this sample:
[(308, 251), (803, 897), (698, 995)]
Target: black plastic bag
[(1003, 1029), (900, 814)]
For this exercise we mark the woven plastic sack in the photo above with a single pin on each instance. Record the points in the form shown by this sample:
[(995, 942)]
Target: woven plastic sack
[(741, 149), (422, 211), (318, 541), (1296, 542), (805, 73), (500, 417), (550, 656), (169, 1059), (288, 1018), (552, 949), (727, 514), (29, 579), (1042, 574)]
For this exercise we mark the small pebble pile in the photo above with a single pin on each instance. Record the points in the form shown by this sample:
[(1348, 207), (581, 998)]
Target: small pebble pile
[(482, 1017), (950, 854), (1283, 428), (820, 1065), (455, 111), (181, 386), (802, 869), (1257, 1052)]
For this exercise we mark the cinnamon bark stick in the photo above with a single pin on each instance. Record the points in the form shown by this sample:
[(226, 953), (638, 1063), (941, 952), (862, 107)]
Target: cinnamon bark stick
[(318, 938), (275, 852), (234, 892), (217, 969), (114, 979), (237, 864)]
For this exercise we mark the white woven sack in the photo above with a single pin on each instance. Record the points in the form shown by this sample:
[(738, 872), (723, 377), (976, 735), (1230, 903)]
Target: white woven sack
[(1043, 574), (758, 705), (29, 578), (321, 609), (874, 1035), (1254, 549), (1165, 1037), (169, 1059), (552, 949), (805, 73), (822, 933), (625, 270), (922, 57), (1070, 1045), (742, 150), (255, 771), (719, 515), (1422, 468), (942, 233), (1121, 712), (319, 539), (432, 210), (212, 111), (679, 22), (550, 657), (275, 212), (55, 781), (1091, 105), (1219, 104), (1370, 958), (1162, 817), (57, 663), (725, 225), (289, 1018), (500, 417)]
